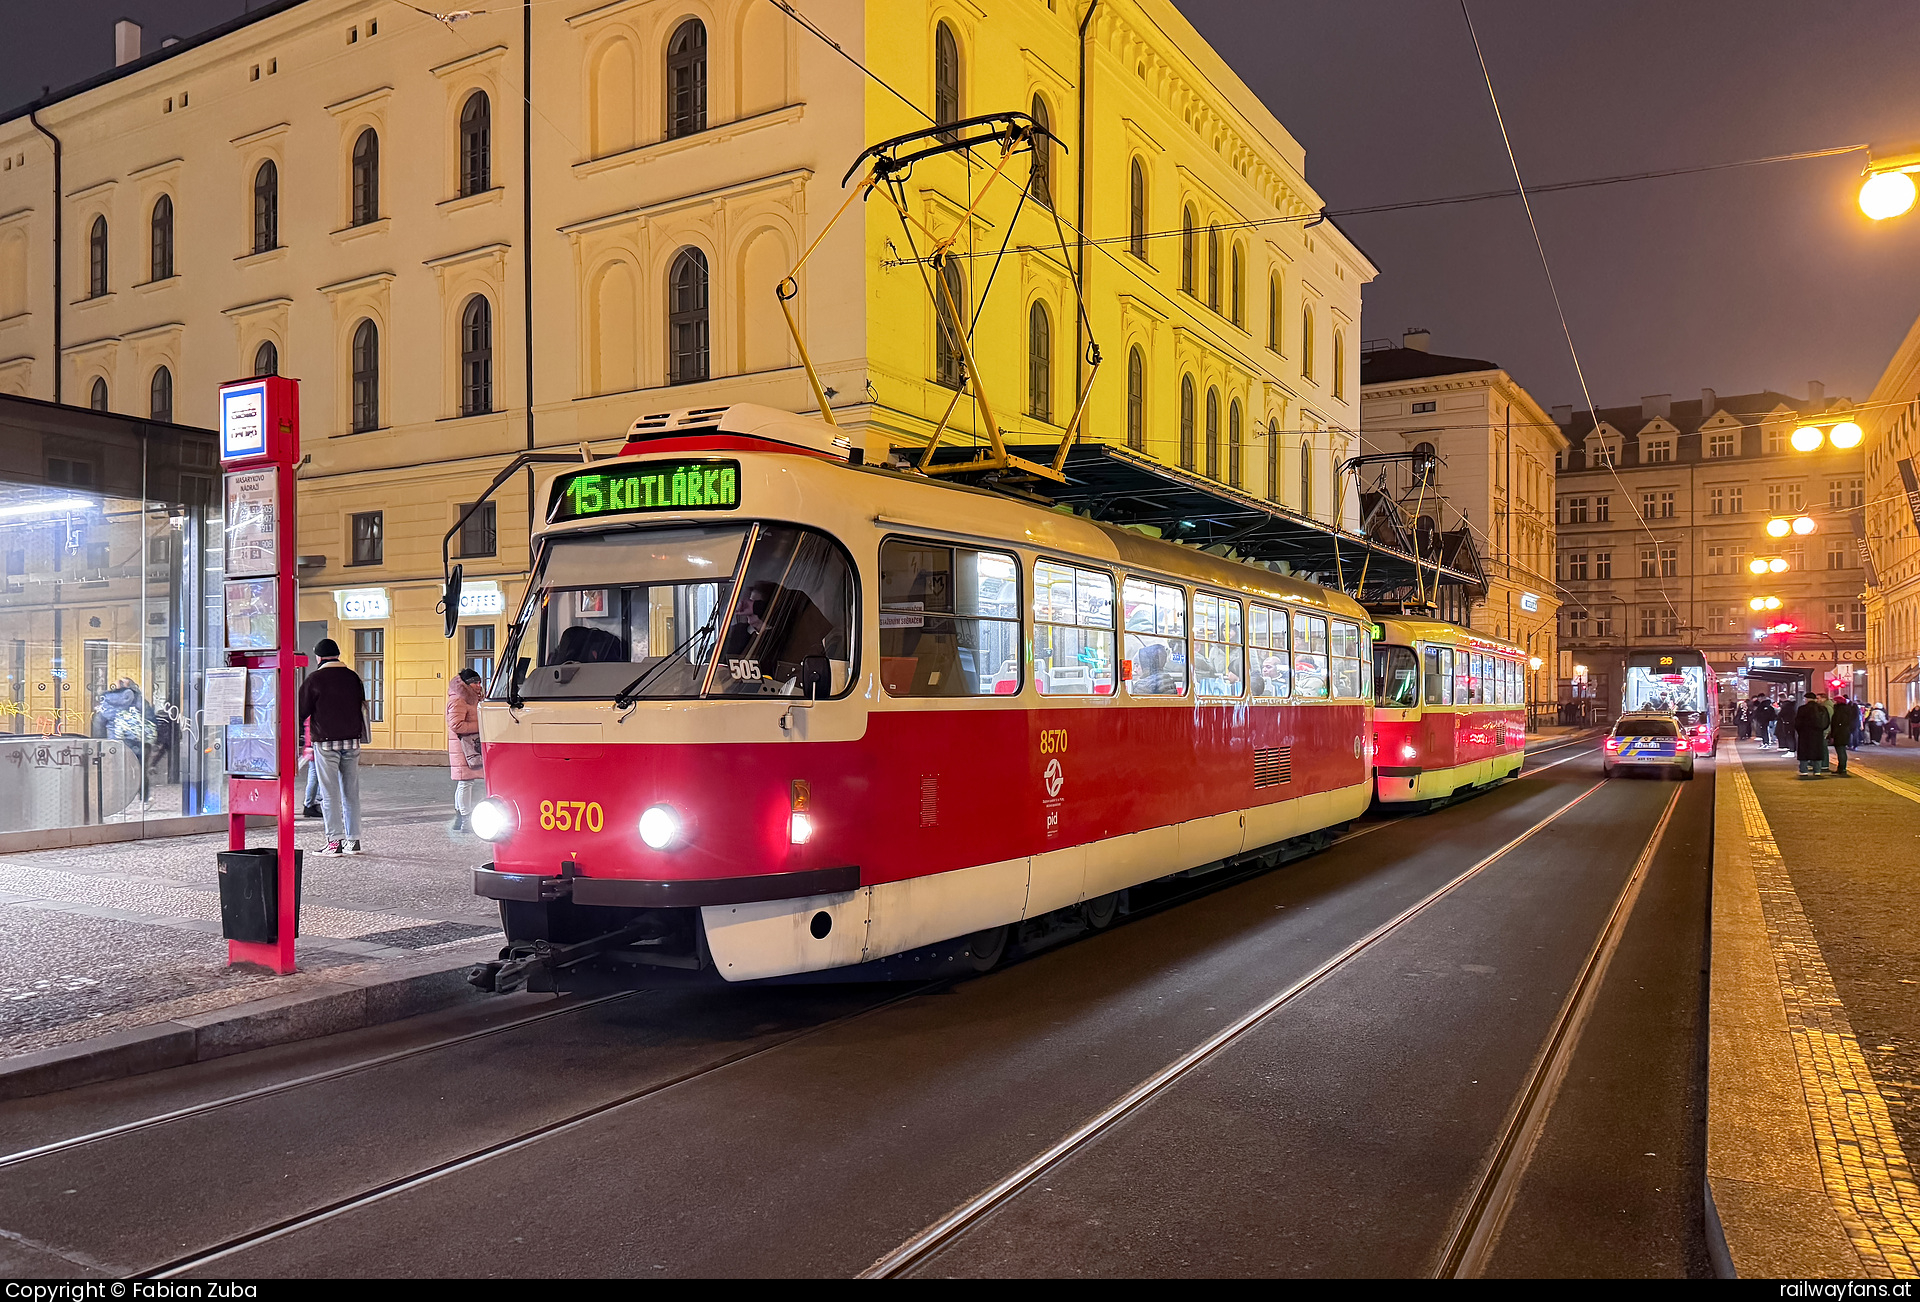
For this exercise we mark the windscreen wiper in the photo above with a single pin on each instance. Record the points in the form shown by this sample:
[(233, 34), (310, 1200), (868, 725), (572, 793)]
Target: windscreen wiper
[(627, 695)]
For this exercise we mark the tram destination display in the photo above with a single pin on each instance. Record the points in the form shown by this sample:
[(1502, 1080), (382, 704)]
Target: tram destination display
[(656, 486)]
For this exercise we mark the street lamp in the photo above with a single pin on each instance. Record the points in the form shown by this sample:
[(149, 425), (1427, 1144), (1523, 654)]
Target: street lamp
[(1780, 526), (1846, 434), (1764, 603), (1888, 190)]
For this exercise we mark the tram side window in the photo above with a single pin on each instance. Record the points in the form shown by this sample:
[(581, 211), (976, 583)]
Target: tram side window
[(1462, 678), (1219, 652), (1496, 681), (1267, 651), (1348, 677), (1439, 675), (1506, 682), (1072, 630), (1156, 645), (1396, 676), (949, 620), (1310, 670)]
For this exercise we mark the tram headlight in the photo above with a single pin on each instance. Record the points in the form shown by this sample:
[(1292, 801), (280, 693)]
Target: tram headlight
[(799, 827), (1408, 750), (660, 827), (492, 819)]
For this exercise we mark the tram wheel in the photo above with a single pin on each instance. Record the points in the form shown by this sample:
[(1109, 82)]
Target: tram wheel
[(984, 948), (1099, 913)]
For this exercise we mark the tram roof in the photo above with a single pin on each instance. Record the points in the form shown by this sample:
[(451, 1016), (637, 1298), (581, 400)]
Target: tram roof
[(1439, 630), (1120, 486)]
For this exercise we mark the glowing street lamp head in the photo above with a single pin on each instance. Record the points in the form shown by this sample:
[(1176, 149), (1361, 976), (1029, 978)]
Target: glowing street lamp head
[(1886, 194), (1804, 524), (1534, 662), (1778, 528), (1846, 435), (1758, 565), (1777, 565), (1807, 438), (1773, 603), (1758, 603)]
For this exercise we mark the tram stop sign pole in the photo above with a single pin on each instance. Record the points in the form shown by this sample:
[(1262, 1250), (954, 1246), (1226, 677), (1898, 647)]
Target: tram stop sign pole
[(259, 449)]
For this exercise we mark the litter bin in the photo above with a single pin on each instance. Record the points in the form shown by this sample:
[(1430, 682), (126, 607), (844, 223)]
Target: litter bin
[(250, 895)]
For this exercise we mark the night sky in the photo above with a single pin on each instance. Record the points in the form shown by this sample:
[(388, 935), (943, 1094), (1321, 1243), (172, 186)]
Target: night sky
[(1737, 281)]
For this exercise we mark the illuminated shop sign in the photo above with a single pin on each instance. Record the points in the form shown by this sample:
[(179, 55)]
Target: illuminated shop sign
[(656, 486), (1529, 601), (482, 597), (362, 603)]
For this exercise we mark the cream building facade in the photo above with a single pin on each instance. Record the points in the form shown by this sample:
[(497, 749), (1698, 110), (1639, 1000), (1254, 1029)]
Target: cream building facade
[(466, 244), (1891, 419), (1662, 507), (1497, 450)]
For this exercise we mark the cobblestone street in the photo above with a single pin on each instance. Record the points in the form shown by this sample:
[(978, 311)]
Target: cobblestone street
[(104, 938)]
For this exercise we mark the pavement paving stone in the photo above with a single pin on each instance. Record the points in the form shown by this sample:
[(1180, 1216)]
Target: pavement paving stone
[(1840, 926), (106, 938)]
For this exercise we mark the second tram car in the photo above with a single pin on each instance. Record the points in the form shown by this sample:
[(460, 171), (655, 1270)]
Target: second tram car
[(1680, 682), (767, 712), (1449, 710)]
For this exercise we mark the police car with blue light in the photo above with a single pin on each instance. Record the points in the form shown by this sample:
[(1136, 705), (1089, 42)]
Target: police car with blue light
[(1651, 742)]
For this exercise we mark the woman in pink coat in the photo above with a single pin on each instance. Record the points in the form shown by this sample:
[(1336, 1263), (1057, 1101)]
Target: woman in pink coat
[(463, 744)]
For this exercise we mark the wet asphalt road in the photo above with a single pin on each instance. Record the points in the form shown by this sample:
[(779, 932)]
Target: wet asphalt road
[(809, 1130)]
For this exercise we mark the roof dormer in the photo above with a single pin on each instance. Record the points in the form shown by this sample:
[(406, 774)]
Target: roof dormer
[(1603, 445), (1658, 439)]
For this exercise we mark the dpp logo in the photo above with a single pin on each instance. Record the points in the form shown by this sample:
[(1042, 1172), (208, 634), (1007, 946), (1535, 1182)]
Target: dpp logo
[(1053, 779)]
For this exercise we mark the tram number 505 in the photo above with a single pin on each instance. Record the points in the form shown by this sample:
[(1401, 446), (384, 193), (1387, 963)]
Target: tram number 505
[(571, 816)]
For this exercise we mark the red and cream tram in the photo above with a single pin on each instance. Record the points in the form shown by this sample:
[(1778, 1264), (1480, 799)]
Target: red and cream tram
[(1449, 710), (767, 711)]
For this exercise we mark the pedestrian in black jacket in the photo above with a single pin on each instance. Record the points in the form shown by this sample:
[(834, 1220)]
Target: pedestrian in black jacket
[(334, 700), (1810, 724), (1846, 722)]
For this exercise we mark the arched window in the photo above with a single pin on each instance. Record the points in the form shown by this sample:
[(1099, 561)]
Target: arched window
[(1136, 399), (98, 399), (1040, 179), (1339, 364), (1213, 267), (1273, 311), (160, 395), (1186, 249), (366, 376), (1213, 433), (1039, 362), (1235, 438), (97, 260), (266, 359), (1306, 340), (946, 76), (687, 79), (1306, 476), (476, 144), (1137, 210), (951, 319), (161, 264), (366, 178), (1237, 288), (266, 207), (1186, 422), (687, 318), (1273, 459), (476, 356)]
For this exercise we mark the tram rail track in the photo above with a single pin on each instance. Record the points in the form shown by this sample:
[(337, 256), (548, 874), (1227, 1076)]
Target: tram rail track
[(928, 1242), (308, 1218), (1471, 1241)]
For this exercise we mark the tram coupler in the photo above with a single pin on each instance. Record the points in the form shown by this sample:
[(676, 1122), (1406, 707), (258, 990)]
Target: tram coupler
[(519, 964)]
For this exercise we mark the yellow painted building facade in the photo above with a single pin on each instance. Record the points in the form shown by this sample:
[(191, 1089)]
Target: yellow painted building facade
[(1891, 420), (413, 244)]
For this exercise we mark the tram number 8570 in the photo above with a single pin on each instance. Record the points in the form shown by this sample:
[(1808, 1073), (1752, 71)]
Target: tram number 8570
[(571, 816)]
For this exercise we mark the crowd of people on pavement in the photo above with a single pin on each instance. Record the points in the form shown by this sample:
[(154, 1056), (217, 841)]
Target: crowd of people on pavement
[(1806, 727)]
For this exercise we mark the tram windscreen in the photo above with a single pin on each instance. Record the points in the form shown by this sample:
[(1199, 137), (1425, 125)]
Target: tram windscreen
[(763, 610), (1670, 689), (1396, 677)]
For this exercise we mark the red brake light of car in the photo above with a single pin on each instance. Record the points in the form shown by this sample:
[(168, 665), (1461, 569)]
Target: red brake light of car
[(1680, 745), (1613, 743)]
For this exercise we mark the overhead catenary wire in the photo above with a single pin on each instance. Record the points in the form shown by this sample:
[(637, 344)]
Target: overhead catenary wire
[(1540, 246)]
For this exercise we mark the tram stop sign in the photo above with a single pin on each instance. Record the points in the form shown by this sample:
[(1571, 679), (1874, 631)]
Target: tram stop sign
[(252, 697)]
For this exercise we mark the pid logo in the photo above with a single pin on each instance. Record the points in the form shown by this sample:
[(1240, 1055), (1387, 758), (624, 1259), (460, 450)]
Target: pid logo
[(1053, 779)]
